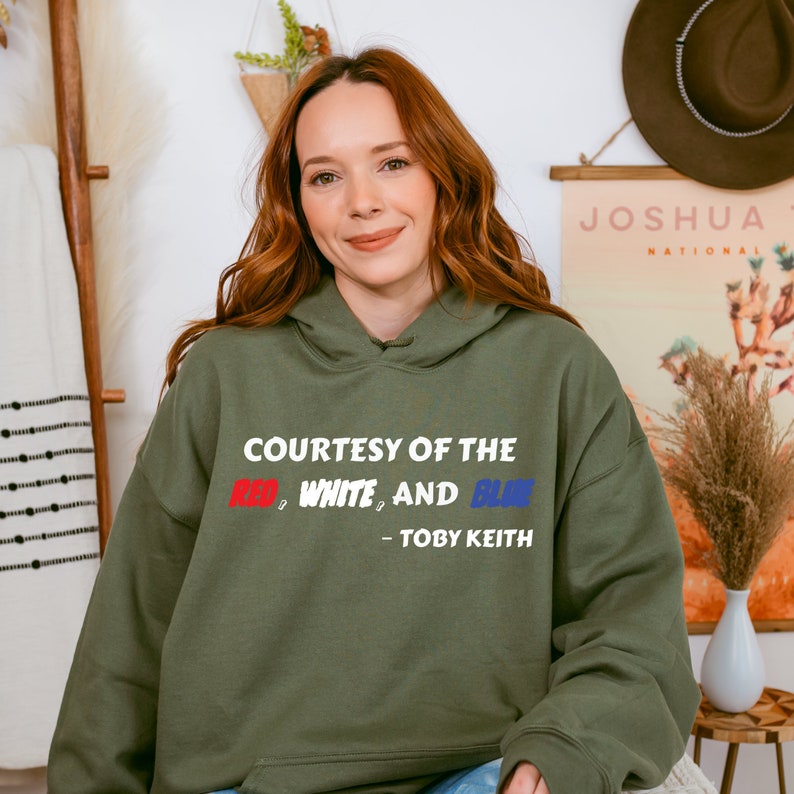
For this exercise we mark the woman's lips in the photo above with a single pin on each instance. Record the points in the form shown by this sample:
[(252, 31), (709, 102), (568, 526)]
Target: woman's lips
[(375, 241)]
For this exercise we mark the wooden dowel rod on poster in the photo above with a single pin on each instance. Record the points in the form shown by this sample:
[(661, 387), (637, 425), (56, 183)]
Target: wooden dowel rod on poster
[(584, 172), (707, 627)]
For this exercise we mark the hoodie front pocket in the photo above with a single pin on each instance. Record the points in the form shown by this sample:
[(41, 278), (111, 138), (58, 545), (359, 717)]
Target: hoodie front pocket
[(391, 772)]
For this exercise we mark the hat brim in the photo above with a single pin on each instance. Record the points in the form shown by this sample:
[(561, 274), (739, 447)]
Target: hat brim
[(649, 82)]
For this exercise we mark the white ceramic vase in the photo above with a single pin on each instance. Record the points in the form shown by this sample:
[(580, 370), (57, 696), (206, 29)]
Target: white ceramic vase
[(732, 673)]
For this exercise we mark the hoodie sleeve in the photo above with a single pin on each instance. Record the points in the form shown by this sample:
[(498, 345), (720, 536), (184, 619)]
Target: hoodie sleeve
[(105, 735), (621, 693), (104, 739)]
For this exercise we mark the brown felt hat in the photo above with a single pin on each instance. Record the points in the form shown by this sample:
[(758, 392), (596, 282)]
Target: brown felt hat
[(710, 85)]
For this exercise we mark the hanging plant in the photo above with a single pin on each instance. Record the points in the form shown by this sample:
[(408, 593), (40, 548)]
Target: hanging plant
[(302, 45)]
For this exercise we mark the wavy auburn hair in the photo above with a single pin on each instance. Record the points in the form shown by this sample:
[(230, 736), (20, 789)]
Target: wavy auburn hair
[(472, 243)]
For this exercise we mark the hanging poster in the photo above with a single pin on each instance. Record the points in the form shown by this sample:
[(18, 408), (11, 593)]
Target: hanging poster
[(651, 267)]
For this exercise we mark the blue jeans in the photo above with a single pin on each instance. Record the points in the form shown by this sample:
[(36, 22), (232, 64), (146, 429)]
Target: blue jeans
[(474, 780)]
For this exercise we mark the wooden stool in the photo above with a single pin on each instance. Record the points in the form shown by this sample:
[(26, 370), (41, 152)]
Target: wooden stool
[(770, 721)]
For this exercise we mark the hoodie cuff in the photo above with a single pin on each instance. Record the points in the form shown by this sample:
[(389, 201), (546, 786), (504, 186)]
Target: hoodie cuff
[(565, 766)]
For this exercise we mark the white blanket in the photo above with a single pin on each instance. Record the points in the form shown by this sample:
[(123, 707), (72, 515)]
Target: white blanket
[(686, 778), (49, 544)]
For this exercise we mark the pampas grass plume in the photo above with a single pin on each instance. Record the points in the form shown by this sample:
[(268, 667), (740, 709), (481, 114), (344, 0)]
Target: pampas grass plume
[(727, 457), (124, 109)]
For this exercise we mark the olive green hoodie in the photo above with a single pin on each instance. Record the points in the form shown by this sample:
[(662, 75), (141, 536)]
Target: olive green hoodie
[(342, 564)]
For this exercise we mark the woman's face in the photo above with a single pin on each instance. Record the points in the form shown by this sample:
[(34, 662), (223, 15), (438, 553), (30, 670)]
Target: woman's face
[(368, 200)]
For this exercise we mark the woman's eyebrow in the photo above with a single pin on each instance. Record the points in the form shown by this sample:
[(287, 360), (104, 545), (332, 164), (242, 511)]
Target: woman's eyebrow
[(381, 147), (384, 147), (323, 158)]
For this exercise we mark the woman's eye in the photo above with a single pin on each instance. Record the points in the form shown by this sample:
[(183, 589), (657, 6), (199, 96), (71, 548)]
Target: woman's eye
[(325, 178), (395, 164)]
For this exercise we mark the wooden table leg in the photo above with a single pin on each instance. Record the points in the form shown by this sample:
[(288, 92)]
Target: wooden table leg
[(730, 766), (780, 776), (696, 754)]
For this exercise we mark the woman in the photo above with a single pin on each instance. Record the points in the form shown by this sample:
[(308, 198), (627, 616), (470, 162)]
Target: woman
[(395, 518)]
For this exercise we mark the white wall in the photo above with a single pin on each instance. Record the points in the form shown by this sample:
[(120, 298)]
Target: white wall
[(537, 82)]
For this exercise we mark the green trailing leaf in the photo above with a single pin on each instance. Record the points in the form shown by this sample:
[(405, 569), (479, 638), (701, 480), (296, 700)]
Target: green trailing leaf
[(261, 59)]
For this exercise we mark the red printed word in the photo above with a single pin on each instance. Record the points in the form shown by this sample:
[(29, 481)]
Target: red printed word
[(254, 493)]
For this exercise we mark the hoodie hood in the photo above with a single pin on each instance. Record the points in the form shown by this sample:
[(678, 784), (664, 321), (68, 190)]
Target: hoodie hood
[(326, 324)]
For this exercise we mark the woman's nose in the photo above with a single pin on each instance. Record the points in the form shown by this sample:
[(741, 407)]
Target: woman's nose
[(364, 196)]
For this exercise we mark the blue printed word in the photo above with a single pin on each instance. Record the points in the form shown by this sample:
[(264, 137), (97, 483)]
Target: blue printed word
[(490, 493)]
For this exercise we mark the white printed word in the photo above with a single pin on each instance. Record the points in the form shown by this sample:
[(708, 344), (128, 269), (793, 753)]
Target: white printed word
[(337, 493), (474, 538)]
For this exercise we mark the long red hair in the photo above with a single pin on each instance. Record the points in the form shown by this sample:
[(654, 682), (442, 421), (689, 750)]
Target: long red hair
[(472, 243)]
